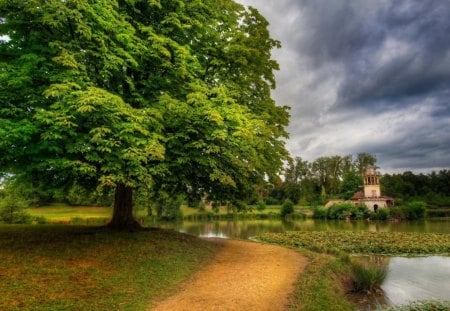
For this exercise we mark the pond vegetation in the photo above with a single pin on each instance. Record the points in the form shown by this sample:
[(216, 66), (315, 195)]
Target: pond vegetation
[(363, 242)]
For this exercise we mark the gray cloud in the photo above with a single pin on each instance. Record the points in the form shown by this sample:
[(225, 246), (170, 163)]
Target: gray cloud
[(365, 76)]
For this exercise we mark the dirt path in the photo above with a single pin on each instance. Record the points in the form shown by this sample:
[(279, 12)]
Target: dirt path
[(244, 276)]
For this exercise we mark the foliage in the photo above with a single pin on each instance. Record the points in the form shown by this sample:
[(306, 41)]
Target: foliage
[(381, 214), (367, 277), (407, 186), (272, 201), (168, 207), (124, 93), (350, 184), (13, 212), (312, 183), (13, 206), (410, 211), (347, 210), (71, 268), (287, 208), (260, 206), (320, 212), (364, 242)]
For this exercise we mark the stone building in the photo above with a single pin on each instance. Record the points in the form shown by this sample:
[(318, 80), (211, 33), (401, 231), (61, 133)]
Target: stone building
[(370, 193)]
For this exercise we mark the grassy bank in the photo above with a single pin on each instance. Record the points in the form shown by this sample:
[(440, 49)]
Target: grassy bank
[(319, 287), (65, 214), (364, 242), (86, 268)]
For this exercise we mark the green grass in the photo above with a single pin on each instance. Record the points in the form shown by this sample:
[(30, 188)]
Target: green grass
[(366, 277), (319, 287), (64, 213), (52, 267), (364, 242)]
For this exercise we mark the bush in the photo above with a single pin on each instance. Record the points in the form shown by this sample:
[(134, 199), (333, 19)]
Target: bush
[(287, 208), (168, 207), (272, 201), (347, 210), (260, 206), (367, 278), (320, 213), (12, 209), (381, 214), (414, 210), (359, 212), (340, 211)]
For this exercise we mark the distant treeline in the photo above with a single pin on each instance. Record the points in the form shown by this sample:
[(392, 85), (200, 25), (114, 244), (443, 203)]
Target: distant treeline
[(433, 188), (303, 182), (339, 177)]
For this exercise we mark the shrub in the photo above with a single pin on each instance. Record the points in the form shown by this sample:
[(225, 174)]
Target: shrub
[(359, 212), (340, 211), (272, 201), (366, 277), (287, 208), (416, 210), (168, 207), (381, 214), (260, 206), (12, 210), (411, 211), (320, 213)]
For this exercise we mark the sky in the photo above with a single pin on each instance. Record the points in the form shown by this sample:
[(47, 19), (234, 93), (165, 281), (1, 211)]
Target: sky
[(365, 76)]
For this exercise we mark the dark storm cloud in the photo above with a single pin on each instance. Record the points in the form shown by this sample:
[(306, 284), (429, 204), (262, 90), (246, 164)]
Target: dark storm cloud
[(365, 76)]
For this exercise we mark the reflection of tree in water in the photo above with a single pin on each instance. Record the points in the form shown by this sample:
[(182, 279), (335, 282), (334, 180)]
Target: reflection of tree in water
[(244, 229)]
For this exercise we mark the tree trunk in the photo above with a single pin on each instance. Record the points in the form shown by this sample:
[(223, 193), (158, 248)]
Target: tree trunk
[(123, 209)]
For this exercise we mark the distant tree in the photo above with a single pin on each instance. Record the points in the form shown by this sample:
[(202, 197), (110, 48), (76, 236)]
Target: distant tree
[(295, 175), (350, 184), (363, 161), (287, 208)]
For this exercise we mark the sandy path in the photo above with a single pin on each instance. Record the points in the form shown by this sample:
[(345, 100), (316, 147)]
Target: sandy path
[(243, 276)]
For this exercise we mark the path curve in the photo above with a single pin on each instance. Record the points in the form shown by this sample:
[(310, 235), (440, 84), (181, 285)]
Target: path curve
[(243, 276)]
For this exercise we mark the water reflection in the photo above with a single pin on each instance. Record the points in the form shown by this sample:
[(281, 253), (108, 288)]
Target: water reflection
[(244, 229), (420, 278)]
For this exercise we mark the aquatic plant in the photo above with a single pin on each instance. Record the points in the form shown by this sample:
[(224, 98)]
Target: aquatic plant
[(363, 242), (367, 277)]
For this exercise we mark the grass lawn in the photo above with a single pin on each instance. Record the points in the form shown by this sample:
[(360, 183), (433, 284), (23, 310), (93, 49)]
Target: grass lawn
[(64, 213), (51, 267)]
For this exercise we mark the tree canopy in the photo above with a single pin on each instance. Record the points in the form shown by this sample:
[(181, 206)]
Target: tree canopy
[(122, 93)]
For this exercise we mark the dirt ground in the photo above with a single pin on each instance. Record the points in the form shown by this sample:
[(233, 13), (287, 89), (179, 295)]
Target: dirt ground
[(244, 276)]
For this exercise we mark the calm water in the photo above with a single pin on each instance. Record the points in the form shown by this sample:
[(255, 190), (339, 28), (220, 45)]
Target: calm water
[(420, 278), (408, 279), (245, 229)]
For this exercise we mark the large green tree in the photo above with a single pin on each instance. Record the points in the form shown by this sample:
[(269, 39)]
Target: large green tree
[(124, 93)]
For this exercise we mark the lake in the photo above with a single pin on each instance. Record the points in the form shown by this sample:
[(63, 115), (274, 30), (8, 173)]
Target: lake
[(245, 229)]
